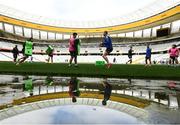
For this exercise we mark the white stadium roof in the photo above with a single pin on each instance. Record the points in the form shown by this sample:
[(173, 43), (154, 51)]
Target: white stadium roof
[(152, 9)]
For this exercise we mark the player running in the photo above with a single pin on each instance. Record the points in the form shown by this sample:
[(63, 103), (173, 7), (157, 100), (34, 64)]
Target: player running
[(107, 42), (27, 51)]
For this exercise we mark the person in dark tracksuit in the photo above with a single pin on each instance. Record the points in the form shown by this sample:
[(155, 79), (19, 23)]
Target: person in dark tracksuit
[(130, 53), (15, 52)]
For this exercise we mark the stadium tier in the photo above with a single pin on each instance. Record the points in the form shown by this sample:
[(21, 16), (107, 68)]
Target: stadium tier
[(128, 64), (142, 23), (91, 52), (157, 24)]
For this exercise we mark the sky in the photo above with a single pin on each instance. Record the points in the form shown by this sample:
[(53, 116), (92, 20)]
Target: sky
[(73, 114), (77, 10)]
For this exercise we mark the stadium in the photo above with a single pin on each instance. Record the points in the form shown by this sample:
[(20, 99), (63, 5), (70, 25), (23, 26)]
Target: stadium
[(135, 89)]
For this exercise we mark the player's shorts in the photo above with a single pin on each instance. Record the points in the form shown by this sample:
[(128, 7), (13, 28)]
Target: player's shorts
[(51, 55), (73, 53), (109, 50), (148, 57), (129, 56), (26, 56), (172, 57)]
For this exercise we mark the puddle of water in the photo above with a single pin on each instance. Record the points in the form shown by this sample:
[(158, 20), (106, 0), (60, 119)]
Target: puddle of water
[(163, 95)]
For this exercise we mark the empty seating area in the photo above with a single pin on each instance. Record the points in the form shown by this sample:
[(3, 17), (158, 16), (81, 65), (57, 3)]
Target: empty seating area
[(91, 52)]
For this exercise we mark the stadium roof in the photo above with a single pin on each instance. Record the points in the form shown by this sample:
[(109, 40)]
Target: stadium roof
[(157, 13)]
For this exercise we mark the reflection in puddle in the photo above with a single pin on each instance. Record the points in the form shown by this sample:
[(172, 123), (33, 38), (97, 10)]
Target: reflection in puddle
[(160, 99), (107, 92), (74, 88), (74, 114)]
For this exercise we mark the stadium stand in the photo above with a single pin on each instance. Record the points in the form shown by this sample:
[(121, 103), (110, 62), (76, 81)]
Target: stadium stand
[(136, 29), (91, 52)]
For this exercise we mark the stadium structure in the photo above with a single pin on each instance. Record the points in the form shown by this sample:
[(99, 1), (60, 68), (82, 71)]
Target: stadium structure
[(157, 24), (39, 85)]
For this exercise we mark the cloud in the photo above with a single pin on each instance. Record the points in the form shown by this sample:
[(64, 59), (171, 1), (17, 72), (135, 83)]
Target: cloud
[(81, 10), (76, 114), (97, 9)]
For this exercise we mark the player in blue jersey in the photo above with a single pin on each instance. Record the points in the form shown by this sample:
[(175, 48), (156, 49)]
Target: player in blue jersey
[(107, 42), (148, 55)]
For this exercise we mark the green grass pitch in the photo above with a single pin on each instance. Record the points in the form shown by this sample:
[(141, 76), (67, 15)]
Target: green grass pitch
[(90, 70)]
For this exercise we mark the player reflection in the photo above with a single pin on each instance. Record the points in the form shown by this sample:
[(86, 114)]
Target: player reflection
[(49, 81), (107, 92), (74, 88), (28, 85)]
